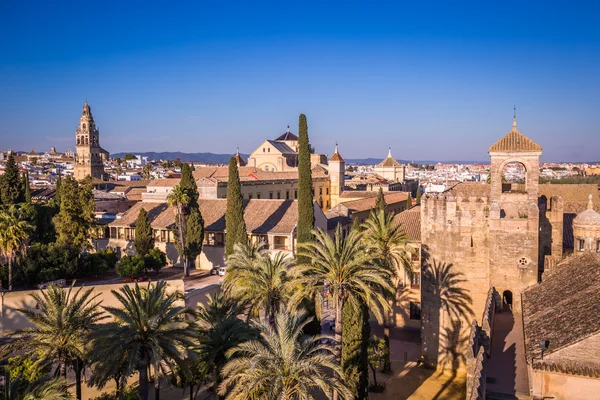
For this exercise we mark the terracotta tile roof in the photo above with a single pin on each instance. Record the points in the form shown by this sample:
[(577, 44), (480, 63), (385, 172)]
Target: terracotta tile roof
[(515, 141), (370, 202), (161, 215), (335, 217), (221, 174), (169, 182), (410, 221), (561, 308), (135, 194), (261, 216), (389, 161), (319, 171), (358, 194), (282, 147)]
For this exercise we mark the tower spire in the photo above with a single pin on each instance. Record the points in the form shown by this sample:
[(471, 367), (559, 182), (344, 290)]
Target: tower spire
[(390, 151), (515, 117), (336, 148)]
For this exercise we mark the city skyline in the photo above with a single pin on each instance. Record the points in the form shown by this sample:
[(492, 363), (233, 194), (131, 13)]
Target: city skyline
[(437, 84)]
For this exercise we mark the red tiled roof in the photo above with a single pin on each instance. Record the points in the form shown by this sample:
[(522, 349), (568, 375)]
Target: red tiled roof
[(410, 221)]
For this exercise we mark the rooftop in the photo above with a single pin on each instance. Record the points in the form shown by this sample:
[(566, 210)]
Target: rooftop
[(410, 221), (515, 141)]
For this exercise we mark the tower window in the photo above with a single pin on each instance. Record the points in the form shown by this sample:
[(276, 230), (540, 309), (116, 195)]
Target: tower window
[(598, 246), (581, 244)]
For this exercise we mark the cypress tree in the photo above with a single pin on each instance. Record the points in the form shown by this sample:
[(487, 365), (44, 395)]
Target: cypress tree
[(234, 219), (144, 237), (194, 223), (380, 204), (74, 221), (11, 188), (355, 345), (408, 201), (418, 201), (306, 212), (27, 196)]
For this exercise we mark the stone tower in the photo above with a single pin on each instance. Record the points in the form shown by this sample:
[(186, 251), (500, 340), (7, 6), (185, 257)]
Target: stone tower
[(337, 169), (89, 154), (514, 218)]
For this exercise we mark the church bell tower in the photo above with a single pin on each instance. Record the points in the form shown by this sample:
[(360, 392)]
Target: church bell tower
[(89, 157)]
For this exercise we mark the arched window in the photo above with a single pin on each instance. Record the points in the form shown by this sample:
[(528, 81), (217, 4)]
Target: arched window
[(514, 178), (507, 301)]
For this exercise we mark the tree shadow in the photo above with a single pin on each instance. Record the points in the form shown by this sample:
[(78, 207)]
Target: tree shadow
[(448, 305)]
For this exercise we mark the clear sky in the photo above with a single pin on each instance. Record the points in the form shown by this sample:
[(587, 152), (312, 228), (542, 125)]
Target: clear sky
[(433, 80)]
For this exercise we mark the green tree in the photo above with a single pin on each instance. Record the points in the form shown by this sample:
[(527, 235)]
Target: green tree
[(355, 318), (306, 213), (234, 218), (378, 353), (130, 267), (192, 376), (388, 244), (58, 189), (418, 200), (144, 235), (14, 233), (75, 219), (147, 171), (179, 199), (62, 321), (130, 156), (408, 201), (380, 204), (27, 191), (194, 236), (220, 331), (155, 259), (260, 283), (151, 327), (282, 364), (342, 266), (11, 190)]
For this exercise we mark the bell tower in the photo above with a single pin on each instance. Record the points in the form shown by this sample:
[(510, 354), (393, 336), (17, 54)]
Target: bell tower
[(89, 156), (514, 215), (337, 169)]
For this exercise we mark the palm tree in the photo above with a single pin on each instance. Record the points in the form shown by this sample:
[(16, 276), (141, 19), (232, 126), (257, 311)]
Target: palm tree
[(257, 279), (343, 267), (43, 388), (150, 328), (180, 200), (14, 232), (282, 364), (61, 322), (386, 240), (221, 330)]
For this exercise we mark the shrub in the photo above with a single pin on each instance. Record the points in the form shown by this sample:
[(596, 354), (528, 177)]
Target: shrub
[(155, 259), (130, 267), (128, 393)]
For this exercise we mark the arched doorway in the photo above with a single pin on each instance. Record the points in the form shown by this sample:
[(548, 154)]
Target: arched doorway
[(507, 301)]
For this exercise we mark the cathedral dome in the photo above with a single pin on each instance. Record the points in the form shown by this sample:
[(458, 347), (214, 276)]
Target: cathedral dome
[(589, 216)]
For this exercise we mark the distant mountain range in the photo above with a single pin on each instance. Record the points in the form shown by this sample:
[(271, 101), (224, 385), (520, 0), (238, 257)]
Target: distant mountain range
[(212, 158)]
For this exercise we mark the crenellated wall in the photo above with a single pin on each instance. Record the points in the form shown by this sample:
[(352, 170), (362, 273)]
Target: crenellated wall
[(455, 246)]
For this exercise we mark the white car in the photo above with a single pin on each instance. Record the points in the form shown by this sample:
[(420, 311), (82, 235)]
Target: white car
[(222, 271)]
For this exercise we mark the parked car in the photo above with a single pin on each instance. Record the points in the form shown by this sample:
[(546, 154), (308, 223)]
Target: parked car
[(222, 271), (214, 271)]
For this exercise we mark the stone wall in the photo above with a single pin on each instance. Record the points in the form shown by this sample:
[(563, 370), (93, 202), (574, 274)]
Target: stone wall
[(479, 347), (455, 260)]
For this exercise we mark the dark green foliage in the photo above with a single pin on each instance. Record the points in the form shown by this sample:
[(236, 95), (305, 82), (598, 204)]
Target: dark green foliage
[(234, 218), (146, 171), (74, 221), (155, 260), (40, 216), (188, 184), (380, 204), (52, 261), (355, 341), (128, 393), (378, 355), (27, 195), (573, 180), (408, 201), (11, 188), (130, 267), (144, 235), (418, 201), (195, 234), (129, 156), (306, 212), (47, 262)]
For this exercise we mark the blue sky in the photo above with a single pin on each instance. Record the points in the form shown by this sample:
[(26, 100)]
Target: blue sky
[(433, 80)]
